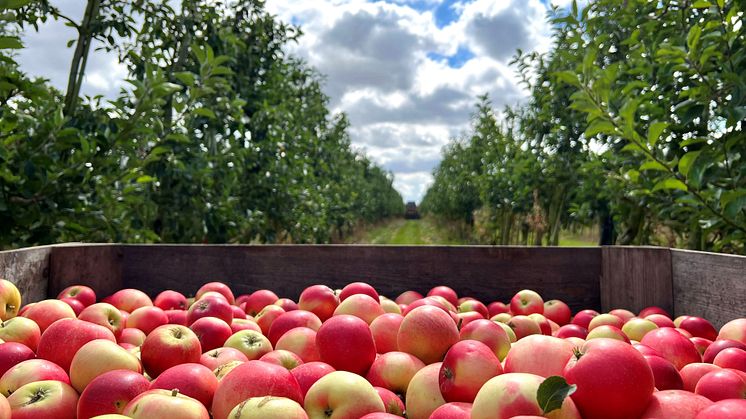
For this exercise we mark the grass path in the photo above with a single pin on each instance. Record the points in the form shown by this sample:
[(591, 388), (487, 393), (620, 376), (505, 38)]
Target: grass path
[(400, 231)]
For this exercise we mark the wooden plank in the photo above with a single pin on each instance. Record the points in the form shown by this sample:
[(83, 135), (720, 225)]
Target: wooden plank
[(709, 285), (97, 266), (636, 277), (483, 272), (28, 269)]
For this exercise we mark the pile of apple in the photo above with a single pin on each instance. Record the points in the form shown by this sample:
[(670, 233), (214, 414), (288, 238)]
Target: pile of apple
[(353, 354)]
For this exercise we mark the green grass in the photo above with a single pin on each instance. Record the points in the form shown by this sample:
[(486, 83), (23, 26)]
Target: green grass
[(399, 231)]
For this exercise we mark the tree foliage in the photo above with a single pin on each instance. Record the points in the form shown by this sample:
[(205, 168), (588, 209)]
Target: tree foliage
[(635, 121), (218, 136)]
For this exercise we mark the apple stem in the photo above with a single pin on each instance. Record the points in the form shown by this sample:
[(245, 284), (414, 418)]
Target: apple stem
[(175, 392)]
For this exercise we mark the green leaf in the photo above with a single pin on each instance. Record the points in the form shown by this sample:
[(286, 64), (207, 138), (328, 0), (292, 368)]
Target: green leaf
[(632, 147), (145, 179), (13, 4), (186, 77), (599, 126), (733, 202), (653, 165), (205, 112), (685, 164), (552, 393), (670, 183), (692, 38), (655, 130), (568, 77), (701, 4), (10, 42)]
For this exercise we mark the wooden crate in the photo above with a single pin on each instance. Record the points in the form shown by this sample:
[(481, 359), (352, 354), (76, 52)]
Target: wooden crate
[(602, 278)]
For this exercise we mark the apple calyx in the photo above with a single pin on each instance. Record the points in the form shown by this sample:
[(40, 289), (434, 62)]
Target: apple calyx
[(447, 373), (328, 412)]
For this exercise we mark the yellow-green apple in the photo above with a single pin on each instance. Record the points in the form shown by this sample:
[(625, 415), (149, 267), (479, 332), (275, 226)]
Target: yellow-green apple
[(423, 393), (106, 315), (557, 311), (508, 330), (408, 297), (544, 325), (526, 302), (675, 404), (319, 300), (170, 300), (82, 293), (224, 369), (583, 318), (61, 340), (214, 358), (147, 318), (636, 328), (607, 331), (268, 315), (167, 346), (165, 404), (691, 373), (427, 332), (74, 304), (623, 314), (309, 373), (258, 300), (44, 399), (286, 304), (244, 324), (193, 380), (718, 346), (342, 395), (489, 333), (524, 326), (110, 393), (605, 319), (731, 408), (358, 288), (572, 330), (722, 384), (253, 379), (29, 371), (393, 403), (496, 307), (362, 306), (613, 379), (128, 299), (177, 317), (238, 313), (211, 332), (660, 320), (283, 358), (385, 329), (734, 358), (513, 394), (671, 345), (216, 287), (468, 364), (250, 342), (132, 336), (393, 371), (664, 373), (291, 320), (697, 326), (540, 355), (46, 312), (446, 292), (268, 407), (346, 343), (21, 330), (97, 357), (210, 306), (734, 329), (454, 410), (474, 305), (389, 306), (701, 344), (300, 341), (10, 300)]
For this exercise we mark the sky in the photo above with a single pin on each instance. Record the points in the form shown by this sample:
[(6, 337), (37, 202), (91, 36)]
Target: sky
[(407, 72)]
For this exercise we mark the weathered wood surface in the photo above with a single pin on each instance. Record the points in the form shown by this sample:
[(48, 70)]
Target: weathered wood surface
[(709, 285), (636, 277), (486, 273), (98, 266), (28, 269)]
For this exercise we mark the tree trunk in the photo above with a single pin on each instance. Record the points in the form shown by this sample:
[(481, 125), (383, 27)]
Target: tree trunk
[(80, 57)]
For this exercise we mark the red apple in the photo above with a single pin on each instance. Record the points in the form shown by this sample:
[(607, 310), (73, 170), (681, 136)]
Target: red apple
[(147, 318), (244, 324), (665, 374), (724, 409), (74, 304), (497, 307), (216, 287), (170, 300), (427, 332), (165, 404), (572, 330), (286, 304), (211, 332), (526, 302), (675, 404), (524, 326), (20, 330), (653, 310), (283, 358), (391, 402), (623, 314), (445, 292), (268, 407), (309, 373), (701, 344), (61, 340), (258, 300), (540, 355), (734, 358), (210, 306), (468, 364), (132, 336), (613, 379), (44, 399), (177, 317), (253, 379), (29, 371), (514, 394), (82, 293), (319, 300), (441, 303), (423, 393), (385, 329), (454, 410), (699, 327), (735, 330), (46, 312), (167, 346), (474, 306), (110, 392), (98, 357), (193, 380), (393, 371), (691, 374), (250, 342), (214, 358), (489, 333), (343, 395), (463, 319), (408, 297), (291, 320), (106, 315), (605, 319), (557, 311), (302, 342), (672, 346), (129, 299), (346, 343), (719, 345), (646, 350), (583, 318), (362, 306), (721, 385), (356, 288), (607, 331), (267, 316), (660, 320)]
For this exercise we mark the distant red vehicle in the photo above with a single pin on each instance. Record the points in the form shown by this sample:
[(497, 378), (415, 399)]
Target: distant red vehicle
[(411, 213)]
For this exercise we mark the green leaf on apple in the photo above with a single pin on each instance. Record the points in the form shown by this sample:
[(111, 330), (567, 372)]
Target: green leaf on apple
[(552, 393)]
